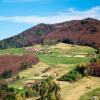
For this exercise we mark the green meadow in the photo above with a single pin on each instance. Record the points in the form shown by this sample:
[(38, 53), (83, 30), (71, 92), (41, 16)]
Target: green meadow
[(13, 51)]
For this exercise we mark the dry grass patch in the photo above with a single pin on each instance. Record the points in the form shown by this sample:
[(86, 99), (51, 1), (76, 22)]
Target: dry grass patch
[(75, 90), (61, 46)]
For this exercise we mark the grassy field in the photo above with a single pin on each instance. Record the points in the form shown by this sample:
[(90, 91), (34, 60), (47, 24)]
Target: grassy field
[(13, 51), (73, 91), (36, 72), (60, 58), (53, 59), (90, 94), (66, 54), (73, 48), (28, 75)]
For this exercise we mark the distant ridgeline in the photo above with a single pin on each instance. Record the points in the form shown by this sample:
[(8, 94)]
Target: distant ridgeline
[(83, 32)]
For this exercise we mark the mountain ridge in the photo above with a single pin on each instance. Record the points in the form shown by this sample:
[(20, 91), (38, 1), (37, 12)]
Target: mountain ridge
[(83, 32)]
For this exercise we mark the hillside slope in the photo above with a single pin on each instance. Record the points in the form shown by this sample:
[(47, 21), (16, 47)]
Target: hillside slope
[(14, 63), (84, 32)]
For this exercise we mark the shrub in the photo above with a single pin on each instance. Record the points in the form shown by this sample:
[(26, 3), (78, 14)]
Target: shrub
[(47, 89), (7, 74), (71, 76), (25, 66), (74, 75)]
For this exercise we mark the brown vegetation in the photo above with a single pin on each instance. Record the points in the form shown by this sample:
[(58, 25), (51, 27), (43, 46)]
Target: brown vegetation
[(13, 63), (84, 32), (94, 68)]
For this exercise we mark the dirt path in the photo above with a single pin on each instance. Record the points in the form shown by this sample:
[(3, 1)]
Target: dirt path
[(75, 90)]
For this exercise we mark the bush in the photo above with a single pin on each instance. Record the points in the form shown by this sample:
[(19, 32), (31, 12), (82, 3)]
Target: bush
[(71, 76), (25, 66), (47, 89), (7, 74), (74, 74)]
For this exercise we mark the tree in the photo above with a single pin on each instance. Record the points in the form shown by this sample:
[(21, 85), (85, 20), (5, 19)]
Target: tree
[(98, 53), (10, 97), (25, 66), (29, 93), (7, 74), (48, 89), (92, 60)]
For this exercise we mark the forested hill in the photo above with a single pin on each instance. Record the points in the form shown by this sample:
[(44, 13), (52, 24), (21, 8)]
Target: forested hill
[(84, 32)]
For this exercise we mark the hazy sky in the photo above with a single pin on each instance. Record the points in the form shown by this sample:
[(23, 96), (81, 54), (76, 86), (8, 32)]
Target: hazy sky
[(18, 15)]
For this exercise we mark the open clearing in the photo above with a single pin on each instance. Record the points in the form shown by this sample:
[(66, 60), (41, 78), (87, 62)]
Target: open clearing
[(53, 59), (13, 51), (87, 96), (73, 91), (36, 72), (60, 58), (65, 54), (29, 74)]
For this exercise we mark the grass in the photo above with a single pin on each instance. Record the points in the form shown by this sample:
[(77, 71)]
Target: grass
[(82, 49), (75, 90), (13, 51), (74, 48), (50, 59), (66, 54), (58, 56), (29, 75), (71, 76), (38, 68), (89, 95)]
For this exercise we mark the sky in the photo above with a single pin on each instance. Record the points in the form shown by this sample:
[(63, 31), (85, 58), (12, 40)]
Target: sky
[(19, 15)]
